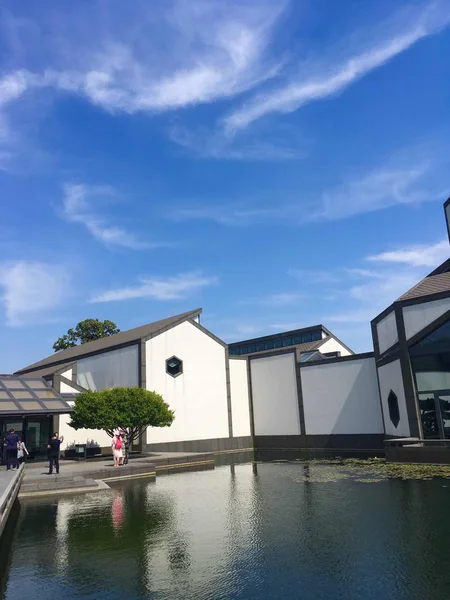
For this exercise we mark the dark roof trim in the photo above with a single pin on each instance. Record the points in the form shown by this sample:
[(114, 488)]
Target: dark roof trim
[(266, 338), (338, 359), (73, 384), (113, 342), (208, 333), (332, 336)]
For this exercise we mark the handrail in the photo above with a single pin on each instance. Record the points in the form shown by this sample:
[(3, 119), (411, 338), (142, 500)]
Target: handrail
[(9, 495)]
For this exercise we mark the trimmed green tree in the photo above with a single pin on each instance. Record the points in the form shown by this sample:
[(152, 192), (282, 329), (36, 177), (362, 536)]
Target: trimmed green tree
[(86, 331), (131, 409)]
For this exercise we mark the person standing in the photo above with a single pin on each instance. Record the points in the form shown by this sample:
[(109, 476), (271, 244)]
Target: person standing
[(53, 452), (22, 450), (11, 446), (117, 449)]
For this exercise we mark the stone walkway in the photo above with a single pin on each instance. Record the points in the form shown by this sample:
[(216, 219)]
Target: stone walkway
[(89, 475)]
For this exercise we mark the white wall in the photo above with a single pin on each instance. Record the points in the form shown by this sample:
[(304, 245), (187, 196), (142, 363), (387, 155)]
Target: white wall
[(239, 397), (387, 332), (341, 398), (390, 378), (80, 436), (418, 316), (333, 345), (274, 394), (199, 395), (117, 368)]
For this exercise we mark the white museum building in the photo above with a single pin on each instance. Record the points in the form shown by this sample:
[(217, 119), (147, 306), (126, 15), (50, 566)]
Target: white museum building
[(297, 390)]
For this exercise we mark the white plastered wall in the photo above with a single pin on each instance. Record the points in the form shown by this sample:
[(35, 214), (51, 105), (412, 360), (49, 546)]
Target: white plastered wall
[(390, 378), (333, 345), (199, 395), (80, 436), (239, 397), (274, 395), (387, 332), (341, 398), (417, 316)]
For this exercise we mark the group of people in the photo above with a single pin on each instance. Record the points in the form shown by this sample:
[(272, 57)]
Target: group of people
[(14, 450), (120, 448)]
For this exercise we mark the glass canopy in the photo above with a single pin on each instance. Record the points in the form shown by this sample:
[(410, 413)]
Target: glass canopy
[(25, 395)]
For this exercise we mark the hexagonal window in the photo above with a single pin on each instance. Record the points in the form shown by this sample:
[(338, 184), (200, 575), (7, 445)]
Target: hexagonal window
[(394, 411), (174, 366)]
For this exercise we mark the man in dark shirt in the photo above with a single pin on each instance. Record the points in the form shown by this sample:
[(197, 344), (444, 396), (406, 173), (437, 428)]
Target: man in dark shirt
[(11, 446), (53, 452)]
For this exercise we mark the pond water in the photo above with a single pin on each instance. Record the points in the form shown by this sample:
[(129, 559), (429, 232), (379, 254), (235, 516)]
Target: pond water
[(237, 532)]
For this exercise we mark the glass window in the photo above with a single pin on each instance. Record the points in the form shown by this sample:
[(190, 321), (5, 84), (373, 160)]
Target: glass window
[(115, 368), (307, 337), (297, 339), (435, 342), (268, 345), (252, 348), (428, 415), (278, 343), (316, 335), (260, 346), (304, 357), (287, 341), (174, 366)]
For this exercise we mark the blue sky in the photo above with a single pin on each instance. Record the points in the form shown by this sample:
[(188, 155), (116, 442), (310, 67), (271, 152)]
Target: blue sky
[(279, 164)]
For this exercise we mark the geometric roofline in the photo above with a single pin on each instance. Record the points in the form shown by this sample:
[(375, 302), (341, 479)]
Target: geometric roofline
[(304, 347), (434, 286), (63, 358)]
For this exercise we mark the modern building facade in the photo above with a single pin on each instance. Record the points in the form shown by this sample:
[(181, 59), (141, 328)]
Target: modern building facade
[(298, 390)]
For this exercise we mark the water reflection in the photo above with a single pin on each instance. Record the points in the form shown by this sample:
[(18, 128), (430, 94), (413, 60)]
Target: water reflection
[(239, 532)]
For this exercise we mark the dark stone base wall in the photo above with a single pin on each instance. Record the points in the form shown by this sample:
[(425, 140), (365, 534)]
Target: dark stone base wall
[(211, 445), (439, 455), (360, 444), (323, 445)]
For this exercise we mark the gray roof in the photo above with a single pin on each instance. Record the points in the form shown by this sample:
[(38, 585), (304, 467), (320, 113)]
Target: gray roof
[(433, 284), (65, 357), (30, 395)]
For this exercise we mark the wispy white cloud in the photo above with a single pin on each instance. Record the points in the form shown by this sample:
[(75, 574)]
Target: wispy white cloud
[(416, 256), (31, 290), (369, 291), (158, 288), (409, 178), (77, 208), (333, 77), (276, 145), (180, 55)]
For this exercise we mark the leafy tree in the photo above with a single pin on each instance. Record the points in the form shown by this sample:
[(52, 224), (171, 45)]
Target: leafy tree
[(131, 409), (86, 331)]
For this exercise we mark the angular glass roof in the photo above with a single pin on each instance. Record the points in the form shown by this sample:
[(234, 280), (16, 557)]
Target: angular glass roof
[(23, 395)]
